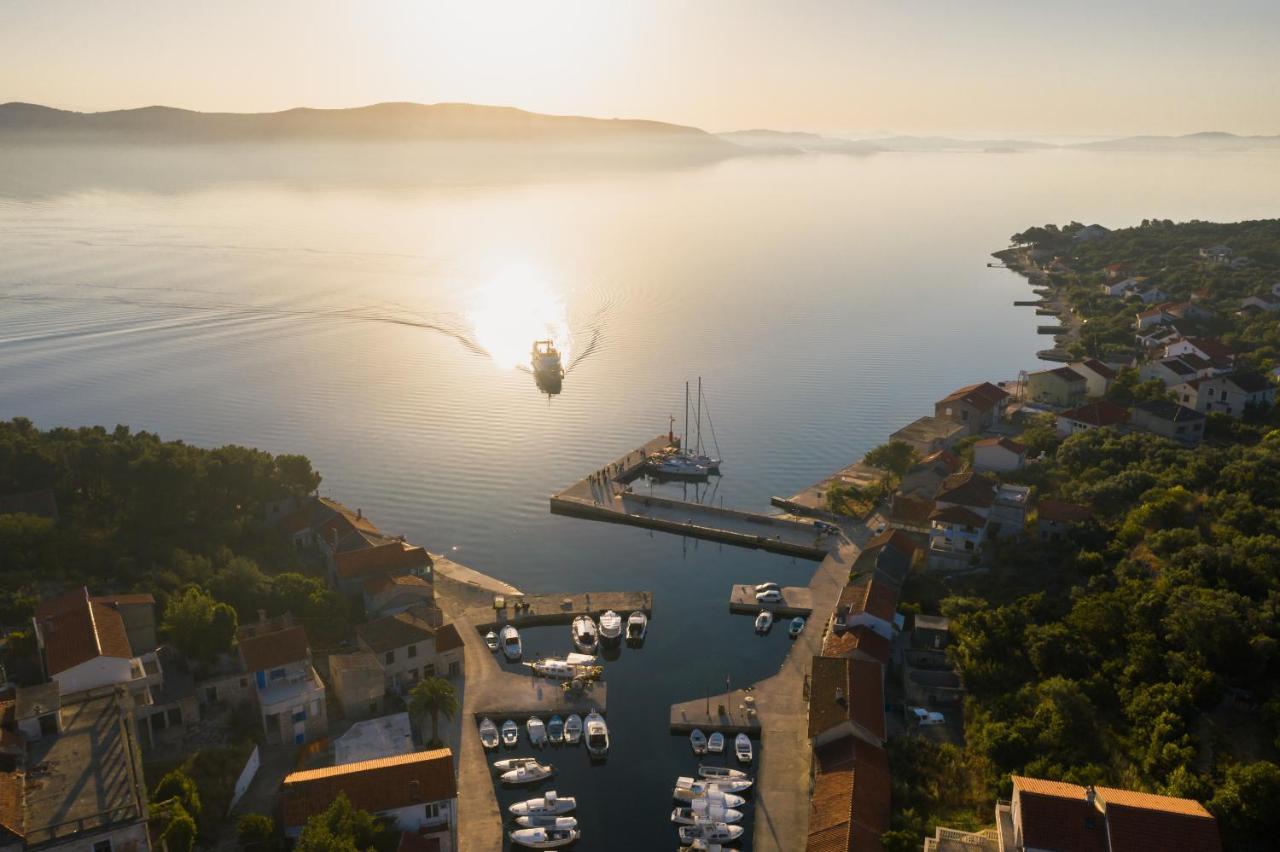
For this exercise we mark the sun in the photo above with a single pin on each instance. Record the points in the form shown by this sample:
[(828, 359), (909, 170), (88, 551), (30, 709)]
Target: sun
[(512, 310)]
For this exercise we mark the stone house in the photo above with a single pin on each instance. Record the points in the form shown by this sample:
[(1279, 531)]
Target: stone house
[(1233, 394), (1182, 424), (1061, 387), (976, 407), (999, 455)]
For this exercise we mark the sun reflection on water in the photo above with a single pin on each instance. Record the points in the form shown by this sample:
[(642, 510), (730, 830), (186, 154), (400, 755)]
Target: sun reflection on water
[(512, 311)]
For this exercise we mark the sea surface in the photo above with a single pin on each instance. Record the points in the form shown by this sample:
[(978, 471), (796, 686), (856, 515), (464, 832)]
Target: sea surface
[(376, 314)]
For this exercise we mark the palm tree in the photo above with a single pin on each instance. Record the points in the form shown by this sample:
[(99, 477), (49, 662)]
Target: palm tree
[(434, 697)]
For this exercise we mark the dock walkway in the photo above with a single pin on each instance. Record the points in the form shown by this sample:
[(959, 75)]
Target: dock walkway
[(563, 609), (796, 600)]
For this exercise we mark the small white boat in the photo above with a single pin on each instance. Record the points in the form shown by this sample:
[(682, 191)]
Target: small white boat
[(560, 822), (585, 636), (511, 647), (579, 659), (537, 730), (544, 838), (696, 816), (488, 733), (491, 640), (698, 740), (713, 795), (555, 729), (715, 743), (764, 621), (597, 734), (688, 789), (715, 773), (797, 625), (717, 832), (610, 626), (549, 805), (509, 763), (510, 733), (637, 626), (527, 773), (742, 748), (573, 729)]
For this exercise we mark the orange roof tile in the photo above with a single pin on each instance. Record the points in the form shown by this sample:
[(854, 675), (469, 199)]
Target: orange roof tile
[(850, 804), (859, 639), (12, 809), (1101, 413), (983, 395), (447, 639), (372, 785), (396, 557), (268, 651), (1064, 513), (846, 689), (75, 629)]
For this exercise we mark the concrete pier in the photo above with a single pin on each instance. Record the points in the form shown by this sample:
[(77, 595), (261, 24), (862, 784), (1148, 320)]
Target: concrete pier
[(796, 600), (738, 716), (563, 609)]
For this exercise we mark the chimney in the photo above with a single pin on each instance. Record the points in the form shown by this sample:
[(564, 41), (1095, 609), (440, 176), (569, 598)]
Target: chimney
[(359, 514), (1089, 794)]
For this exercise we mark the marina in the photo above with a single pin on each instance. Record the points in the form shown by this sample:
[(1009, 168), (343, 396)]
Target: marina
[(520, 610)]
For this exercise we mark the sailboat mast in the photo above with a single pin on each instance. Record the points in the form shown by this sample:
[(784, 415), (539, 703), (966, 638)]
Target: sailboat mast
[(699, 439), (685, 439)]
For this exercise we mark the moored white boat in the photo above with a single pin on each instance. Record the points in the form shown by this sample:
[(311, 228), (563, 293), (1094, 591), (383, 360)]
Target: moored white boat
[(537, 730), (491, 640), (597, 734), (509, 763), (573, 729), (742, 748), (637, 626), (560, 822), (610, 627), (715, 743), (694, 815), (527, 773), (718, 832), (722, 773), (511, 647), (797, 625), (688, 789), (550, 804), (488, 733), (585, 636), (555, 729), (764, 621), (544, 838), (698, 740), (510, 733)]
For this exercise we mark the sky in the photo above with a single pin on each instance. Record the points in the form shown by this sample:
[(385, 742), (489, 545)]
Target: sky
[(1030, 67)]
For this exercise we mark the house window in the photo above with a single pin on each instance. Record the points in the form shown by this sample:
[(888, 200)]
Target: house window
[(157, 723), (315, 707), (300, 715), (175, 716), (429, 670), (434, 810), (391, 657), (244, 683), (102, 846), (455, 669), (277, 674), (413, 651), (968, 545)]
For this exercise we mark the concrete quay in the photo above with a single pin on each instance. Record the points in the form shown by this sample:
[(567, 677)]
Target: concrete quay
[(796, 600), (739, 716), (563, 609)]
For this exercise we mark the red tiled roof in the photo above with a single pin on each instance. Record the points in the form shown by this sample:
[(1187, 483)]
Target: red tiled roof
[(967, 489), (913, 511), (1008, 443), (1098, 367), (983, 395), (1213, 348), (896, 539), (395, 631), (76, 629), (849, 807), (383, 582), (135, 599), (396, 557), (1101, 413), (846, 689), (946, 457), (447, 639), (371, 785), (859, 639), (1064, 513), (1067, 374), (872, 596), (958, 515), (272, 650), (12, 808)]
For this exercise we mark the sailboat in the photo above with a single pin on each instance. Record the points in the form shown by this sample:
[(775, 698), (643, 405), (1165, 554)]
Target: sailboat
[(690, 461)]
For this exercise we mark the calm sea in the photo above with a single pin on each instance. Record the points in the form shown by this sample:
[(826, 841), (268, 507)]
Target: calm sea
[(375, 316)]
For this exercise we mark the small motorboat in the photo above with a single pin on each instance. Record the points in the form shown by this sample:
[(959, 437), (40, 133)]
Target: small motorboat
[(637, 626), (573, 729), (537, 731), (491, 640), (488, 733), (544, 838), (510, 763), (713, 795), (585, 636), (560, 822), (715, 743), (610, 626), (527, 773), (764, 621), (742, 748), (715, 773), (688, 789), (567, 669), (510, 733), (511, 647), (555, 729), (698, 740), (695, 816), (549, 805), (797, 625), (717, 832), (597, 734)]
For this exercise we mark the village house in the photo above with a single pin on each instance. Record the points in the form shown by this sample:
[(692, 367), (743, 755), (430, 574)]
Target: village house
[(412, 645), (975, 407), (846, 698), (320, 519), (887, 556), (1233, 394), (926, 475), (958, 524), (1097, 375), (850, 792), (910, 512), (1055, 518), (358, 684), (1157, 337), (1182, 424), (1094, 415), (928, 435), (1148, 319), (1114, 271), (374, 739), (389, 594), (1061, 387), (1219, 254), (861, 642), (365, 559), (928, 677), (289, 692), (1149, 295), (1008, 514), (1210, 349), (414, 792), (1175, 371), (1120, 286), (871, 603), (84, 644), (1054, 816)]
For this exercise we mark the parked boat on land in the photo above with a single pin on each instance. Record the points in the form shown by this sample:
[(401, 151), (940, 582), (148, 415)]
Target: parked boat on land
[(718, 832), (573, 729), (610, 627), (511, 647), (491, 640), (544, 838), (509, 763), (764, 621), (527, 773), (637, 626), (510, 733), (586, 638), (537, 730), (715, 743), (597, 734), (549, 804), (488, 733), (555, 729), (698, 740), (715, 773), (560, 822), (742, 748)]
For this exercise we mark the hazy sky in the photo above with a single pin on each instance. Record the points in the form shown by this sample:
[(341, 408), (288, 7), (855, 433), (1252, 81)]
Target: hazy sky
[(1055, 67)]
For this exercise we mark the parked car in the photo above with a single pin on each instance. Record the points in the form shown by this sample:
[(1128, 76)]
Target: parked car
[(765, 587), (927, 717), (769, 596)]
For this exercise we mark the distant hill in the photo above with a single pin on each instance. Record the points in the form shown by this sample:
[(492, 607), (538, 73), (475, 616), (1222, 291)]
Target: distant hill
[(1207, 141), (794, 142), (386, 122), (945, 143)]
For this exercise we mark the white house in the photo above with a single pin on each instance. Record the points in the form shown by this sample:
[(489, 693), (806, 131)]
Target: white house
[(1095, 415), (84, 645), (870, 603), (1098, 376), (1207, 348), (290, 694), (1232, 394), (1171, 371), (998, 454), (1144, 320), (1148, 295), (1124, 286)]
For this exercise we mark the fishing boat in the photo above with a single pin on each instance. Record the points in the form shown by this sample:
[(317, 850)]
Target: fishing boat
[(510, 733), (764, 621), (637, 626), (715, 743), (488, 733), (511, 647), (694, 816), (597, 734), (509, 763), (544, 838), (742, 748), (555, 729), (585, 636), (698, 740), (573, 729), (555, 667), (718, 832), (688, 789), (549, 804), (560, 822), (610, 626), (797, 625), (491, 640), (537, 731), (527, 773), (715, 773), (544, 359)]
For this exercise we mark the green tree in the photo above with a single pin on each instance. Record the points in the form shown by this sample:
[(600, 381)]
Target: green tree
[(433, 697), (1247, 803), (200, 626), (896, 457), (343, 828), (257, 833), (297, 475), (178, 788), (179, 833)]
